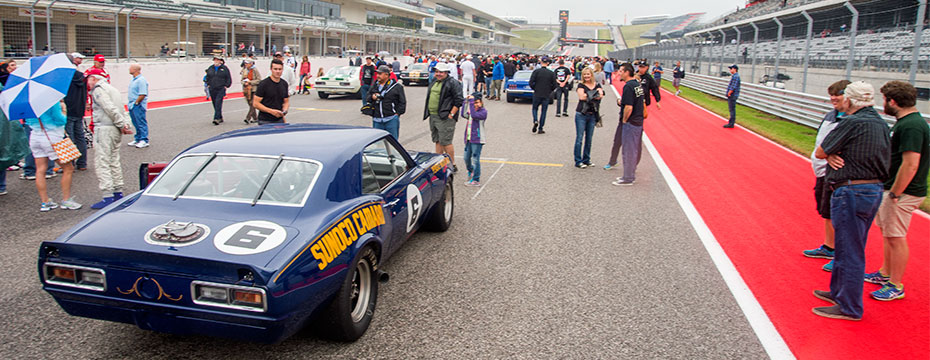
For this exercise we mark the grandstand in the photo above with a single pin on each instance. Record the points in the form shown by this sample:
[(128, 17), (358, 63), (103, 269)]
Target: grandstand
[(674, 27), (651, 19)]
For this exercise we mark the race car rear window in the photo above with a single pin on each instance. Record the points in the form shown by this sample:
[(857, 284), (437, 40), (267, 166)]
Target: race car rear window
[(523, 75), (266, 180), (340, 71)]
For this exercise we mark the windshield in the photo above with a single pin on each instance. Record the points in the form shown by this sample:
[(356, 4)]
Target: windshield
[(417, 67), (522, 75), (340, 71), (238, 178)]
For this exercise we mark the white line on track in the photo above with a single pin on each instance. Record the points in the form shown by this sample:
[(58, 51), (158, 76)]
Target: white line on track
[(768, 336), (489, 179)]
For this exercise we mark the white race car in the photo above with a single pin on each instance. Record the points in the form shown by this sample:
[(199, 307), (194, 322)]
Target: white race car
[(342, 80)]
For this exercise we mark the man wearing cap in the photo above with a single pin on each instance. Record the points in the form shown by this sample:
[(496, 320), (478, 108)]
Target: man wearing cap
[(858, 152), (543, 83), (468, 76), (497, 79), (389, 102), (99, 61), (112, 121), (218, 80), (443, 99), (650, 86), (138, 101), (76, 104), (733, 94), (250, 80)]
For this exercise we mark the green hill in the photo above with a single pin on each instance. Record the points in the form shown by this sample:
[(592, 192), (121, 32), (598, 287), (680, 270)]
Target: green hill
[(532, 39), (631, 34)]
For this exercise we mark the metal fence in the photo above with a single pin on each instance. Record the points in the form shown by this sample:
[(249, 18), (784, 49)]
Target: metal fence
[(809, 46), (802, 108), (174, 30)]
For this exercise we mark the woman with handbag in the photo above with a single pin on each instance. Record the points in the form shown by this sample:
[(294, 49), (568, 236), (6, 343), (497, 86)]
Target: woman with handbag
[(52, 144), (587, 116)]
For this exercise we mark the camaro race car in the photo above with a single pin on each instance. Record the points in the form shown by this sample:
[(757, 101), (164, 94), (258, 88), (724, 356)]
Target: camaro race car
[(254, 234), (519, 86), (340, 80)]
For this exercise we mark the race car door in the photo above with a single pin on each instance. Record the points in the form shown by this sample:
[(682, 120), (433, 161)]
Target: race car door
[(402, 189)]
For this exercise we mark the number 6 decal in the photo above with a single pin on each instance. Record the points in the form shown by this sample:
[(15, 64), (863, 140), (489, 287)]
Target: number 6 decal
[(249, 237), (414, 206)]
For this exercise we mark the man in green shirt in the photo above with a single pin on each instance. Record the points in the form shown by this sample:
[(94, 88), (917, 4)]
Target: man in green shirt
[(905, 190), (443, 101)]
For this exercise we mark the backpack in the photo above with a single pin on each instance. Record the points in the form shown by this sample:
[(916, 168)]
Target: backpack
[(682, 73)]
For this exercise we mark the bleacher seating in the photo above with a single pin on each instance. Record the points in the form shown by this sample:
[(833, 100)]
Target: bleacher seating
[(760, 8), (673, 27)]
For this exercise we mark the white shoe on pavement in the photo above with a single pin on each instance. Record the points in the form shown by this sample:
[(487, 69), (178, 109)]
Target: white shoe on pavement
[(132, 143), (142, 144)]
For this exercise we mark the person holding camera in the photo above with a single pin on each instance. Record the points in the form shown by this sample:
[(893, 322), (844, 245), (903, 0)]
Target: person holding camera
[(587, 115), (388, 102)]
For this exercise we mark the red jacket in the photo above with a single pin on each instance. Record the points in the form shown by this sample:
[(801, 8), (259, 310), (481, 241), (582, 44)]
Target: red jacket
[(304, 68)]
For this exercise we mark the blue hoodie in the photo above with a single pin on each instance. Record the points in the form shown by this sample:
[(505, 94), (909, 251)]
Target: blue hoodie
[(498, 72)]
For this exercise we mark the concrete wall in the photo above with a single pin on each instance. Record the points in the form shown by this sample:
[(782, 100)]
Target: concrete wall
[(169, 80)]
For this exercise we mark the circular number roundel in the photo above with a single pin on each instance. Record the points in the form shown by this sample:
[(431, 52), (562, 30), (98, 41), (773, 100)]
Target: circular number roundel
[(414, 206), (249, 237)]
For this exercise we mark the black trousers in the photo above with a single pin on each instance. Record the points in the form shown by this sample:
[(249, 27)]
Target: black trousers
[(216, 95)]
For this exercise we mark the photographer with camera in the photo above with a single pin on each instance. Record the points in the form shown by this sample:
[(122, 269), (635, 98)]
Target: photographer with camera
[(587, 116), (388, 102)]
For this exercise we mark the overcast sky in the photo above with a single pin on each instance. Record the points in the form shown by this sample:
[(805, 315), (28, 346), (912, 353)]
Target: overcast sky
[(543, 10)]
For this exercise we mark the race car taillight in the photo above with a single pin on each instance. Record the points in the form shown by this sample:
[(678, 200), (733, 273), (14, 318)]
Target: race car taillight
[(75, 276), (229, 296), (344, 84)]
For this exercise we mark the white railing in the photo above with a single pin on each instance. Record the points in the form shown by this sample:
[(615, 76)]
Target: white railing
[(801, 108)]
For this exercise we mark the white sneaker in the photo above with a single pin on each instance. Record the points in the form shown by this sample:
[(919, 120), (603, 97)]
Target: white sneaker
[(677, 92), (70, 204), (142, 144), (132, 143)]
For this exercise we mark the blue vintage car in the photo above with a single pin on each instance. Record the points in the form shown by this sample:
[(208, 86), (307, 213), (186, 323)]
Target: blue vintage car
[(253, 235), (519, 86)]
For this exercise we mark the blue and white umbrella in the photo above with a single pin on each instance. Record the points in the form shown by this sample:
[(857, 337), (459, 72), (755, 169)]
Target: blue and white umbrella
[(36, 86)]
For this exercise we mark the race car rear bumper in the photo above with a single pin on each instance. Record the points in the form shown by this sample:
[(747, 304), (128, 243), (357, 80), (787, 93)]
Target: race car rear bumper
[(177, 319), (336, 89)]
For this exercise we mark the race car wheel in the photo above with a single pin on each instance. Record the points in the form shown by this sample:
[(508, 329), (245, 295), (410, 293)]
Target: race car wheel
[(441, 217), (511, 99), (351, 311), (406, 83), (322, 95)]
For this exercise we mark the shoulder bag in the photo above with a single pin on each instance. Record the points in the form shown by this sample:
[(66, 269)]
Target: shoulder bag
[(64, 149)]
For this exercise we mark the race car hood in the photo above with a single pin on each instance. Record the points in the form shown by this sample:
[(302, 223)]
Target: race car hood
[(252, 238)]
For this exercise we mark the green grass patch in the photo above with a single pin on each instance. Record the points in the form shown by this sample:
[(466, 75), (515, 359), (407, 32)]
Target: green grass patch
[(631, 34), (531, 39), (602, 49), (796, 137)]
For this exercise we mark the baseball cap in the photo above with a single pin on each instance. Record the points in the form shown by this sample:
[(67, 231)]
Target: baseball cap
[(734, 66), (77, 55), (100, 58), (643, 64), (443, 67), (278, 54), (384, 69), (861, 92)]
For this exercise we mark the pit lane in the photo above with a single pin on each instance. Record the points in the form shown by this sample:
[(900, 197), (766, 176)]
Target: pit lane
[(542, 261)]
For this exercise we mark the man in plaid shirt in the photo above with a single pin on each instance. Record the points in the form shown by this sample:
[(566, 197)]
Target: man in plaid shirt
[(732, 95)]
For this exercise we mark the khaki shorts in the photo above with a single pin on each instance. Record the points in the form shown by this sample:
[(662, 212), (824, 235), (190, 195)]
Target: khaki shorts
[(442, 130), (894, 218)]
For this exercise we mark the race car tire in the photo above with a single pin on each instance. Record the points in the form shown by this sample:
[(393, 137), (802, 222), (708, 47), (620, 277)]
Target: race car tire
[(511, 99), (350, 313), (406, 83), (440, 218), (322, 95), (358, 94)]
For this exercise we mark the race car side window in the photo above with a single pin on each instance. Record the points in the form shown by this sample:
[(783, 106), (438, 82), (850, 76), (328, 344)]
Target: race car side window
[(385, 161), (370, 183)]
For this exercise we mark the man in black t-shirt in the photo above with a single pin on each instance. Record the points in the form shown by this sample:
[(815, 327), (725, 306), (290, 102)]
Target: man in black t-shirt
[(367, 77), (563, 78), (271, 97), (631, 119)]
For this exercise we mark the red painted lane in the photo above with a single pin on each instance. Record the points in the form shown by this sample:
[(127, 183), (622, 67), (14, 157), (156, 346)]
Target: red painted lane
[(756, 198), (188, 101)]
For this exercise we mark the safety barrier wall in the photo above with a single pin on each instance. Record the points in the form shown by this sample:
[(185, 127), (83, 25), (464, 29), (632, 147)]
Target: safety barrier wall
[(170, 80), (802, 108)]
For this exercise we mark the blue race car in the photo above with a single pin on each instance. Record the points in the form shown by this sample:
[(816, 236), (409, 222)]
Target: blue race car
[(254, 234), (519, 86)]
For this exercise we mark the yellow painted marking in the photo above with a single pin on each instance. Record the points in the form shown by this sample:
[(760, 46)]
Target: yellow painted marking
[(316, 109), (522, 163)]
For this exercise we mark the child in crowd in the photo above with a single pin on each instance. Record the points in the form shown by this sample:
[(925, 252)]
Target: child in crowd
[(474, 138), (307, 85)]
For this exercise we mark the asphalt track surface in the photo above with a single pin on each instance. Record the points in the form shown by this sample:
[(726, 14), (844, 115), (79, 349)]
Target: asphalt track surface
[(584, 32), (545, 260)]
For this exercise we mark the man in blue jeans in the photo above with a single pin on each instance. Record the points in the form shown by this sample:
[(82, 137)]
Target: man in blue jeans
[(632, 104), (858, 152), (138, 101), (733, 95), (76, 104)]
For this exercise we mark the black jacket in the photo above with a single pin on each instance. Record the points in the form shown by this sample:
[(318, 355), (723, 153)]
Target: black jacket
[(649, 86), (393, 102), (449, 96), (509, 69), (76, 99), (218, 78), (542, 81)]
